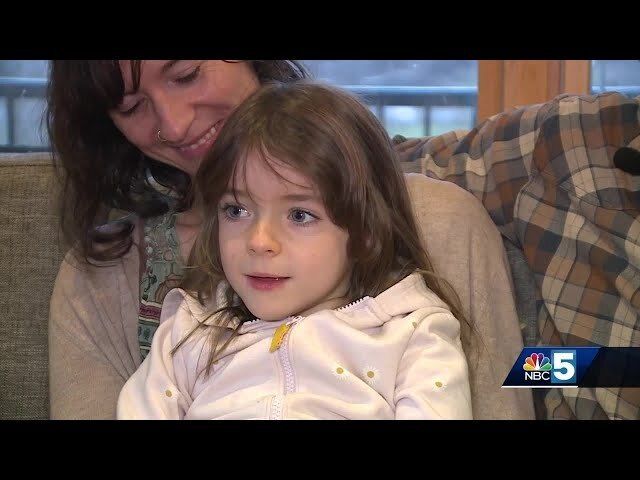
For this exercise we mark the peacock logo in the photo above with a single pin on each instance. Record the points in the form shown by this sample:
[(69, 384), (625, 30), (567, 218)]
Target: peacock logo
[(537, 367), (537, 361)]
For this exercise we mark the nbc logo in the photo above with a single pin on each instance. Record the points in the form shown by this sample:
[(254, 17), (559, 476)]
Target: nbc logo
[(549, 367), (537, 367)]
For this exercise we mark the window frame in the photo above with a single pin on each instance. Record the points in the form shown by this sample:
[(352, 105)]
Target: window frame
[(502, 84)]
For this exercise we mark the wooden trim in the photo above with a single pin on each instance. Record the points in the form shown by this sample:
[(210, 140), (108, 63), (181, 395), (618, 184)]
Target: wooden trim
[(490, 88), (529, 82), (504, 84), (554, 79), (577, 77)]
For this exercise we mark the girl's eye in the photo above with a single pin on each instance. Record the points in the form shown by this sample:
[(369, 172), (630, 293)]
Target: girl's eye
[(302, 217), (234, 211), (190, 77)]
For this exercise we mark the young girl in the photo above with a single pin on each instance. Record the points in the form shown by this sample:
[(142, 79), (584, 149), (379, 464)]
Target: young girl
[(309, 295)]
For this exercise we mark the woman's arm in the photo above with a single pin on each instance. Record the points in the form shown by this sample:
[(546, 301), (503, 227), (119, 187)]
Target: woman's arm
[(466, 249), (93, 345)]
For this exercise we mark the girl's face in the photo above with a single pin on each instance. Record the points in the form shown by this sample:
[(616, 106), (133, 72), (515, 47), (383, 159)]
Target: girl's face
[(187, 101), (279, 250)]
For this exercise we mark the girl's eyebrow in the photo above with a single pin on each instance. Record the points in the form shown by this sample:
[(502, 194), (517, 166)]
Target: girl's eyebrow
[(299, 197), (295, 197), (235, 193)]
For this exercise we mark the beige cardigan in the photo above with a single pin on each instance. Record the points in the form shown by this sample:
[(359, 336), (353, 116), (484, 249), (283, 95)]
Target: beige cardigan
[(93, 345)]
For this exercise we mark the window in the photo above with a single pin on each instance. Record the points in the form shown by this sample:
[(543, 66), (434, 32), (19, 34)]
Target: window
[(620, 75), (410, 97), (22, 102)]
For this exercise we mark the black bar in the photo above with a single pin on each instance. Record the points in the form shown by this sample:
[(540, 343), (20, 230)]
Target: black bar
[(614, 367)]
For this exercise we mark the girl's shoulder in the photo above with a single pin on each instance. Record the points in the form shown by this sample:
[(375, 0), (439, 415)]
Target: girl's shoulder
[(183, 307), (409, 294)]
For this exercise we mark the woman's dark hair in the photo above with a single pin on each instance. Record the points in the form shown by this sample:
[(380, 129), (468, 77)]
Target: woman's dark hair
[(100, 169)]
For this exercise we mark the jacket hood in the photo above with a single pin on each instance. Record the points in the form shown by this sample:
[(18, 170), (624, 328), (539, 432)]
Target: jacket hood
[(406, 296)]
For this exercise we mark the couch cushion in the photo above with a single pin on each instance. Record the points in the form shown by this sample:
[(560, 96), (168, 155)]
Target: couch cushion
[(30, 254)]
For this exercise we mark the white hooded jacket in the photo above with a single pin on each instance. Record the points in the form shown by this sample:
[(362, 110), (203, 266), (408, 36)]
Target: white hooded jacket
[(397, 355)]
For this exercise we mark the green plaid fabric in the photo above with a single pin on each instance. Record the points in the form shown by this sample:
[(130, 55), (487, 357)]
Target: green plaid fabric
[(545, 174)]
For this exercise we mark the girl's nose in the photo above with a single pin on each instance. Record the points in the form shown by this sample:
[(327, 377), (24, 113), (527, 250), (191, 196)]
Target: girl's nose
[(263, 239)]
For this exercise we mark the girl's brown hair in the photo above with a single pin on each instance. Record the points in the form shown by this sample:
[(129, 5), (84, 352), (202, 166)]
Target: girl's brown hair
[(101, 170), (332, 138)]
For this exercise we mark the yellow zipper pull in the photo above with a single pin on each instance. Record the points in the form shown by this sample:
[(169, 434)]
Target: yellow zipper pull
[(278, 336)]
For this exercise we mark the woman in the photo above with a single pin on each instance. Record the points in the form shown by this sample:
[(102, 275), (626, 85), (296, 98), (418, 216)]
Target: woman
[(129, 136)]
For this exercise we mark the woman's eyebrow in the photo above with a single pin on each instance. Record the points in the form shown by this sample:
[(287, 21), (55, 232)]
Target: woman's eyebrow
[(164, 69), (167, 66)]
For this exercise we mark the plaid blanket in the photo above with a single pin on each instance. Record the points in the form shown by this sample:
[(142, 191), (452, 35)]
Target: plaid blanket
[(545, 174)]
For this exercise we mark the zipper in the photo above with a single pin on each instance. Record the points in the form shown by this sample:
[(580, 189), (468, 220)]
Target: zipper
[(276, 408), (352, 304), (283, 354), (279, 337), (280, 333)]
